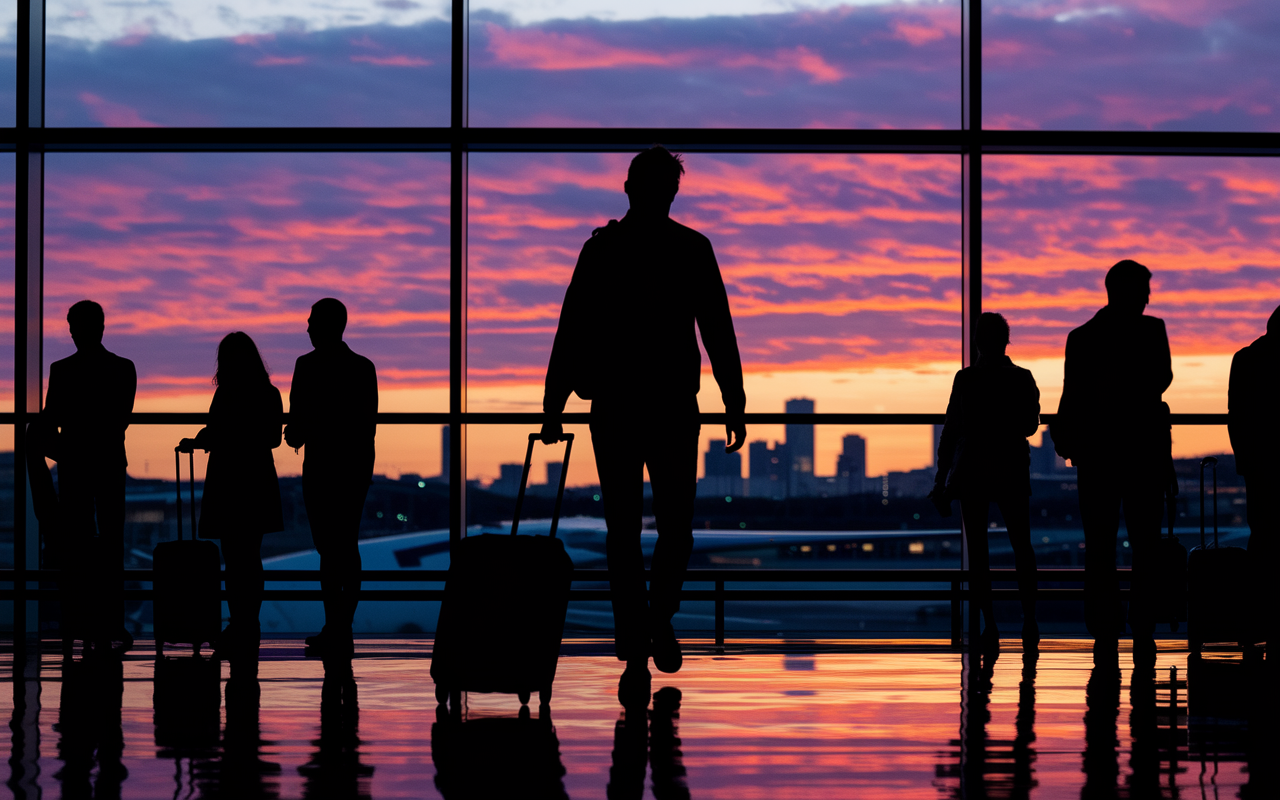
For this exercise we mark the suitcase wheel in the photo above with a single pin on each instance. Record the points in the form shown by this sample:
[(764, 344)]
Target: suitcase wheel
[(544, 696), (524, 698)]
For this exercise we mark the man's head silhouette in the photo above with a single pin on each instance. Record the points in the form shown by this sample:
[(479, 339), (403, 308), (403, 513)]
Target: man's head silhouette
[(87, 322), (1128, 287), (653, 180), (992, 334), (327, 322)]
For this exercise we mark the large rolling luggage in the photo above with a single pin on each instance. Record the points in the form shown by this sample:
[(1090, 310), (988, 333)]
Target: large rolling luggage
[(1217, 583), (186, 581), (504, 606)]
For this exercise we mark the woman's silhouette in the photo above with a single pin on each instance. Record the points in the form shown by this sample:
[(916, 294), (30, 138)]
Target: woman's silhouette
[(983, 457), (241, 492)]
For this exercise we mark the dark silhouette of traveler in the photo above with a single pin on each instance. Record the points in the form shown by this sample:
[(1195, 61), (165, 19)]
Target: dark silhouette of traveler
[(1114, 427), (627, 342), (241, 499), (90, 729), (335, 769), (656, 746), (1100, 762), (984, 458), (1252, 399), (86, 412), (333, 408)]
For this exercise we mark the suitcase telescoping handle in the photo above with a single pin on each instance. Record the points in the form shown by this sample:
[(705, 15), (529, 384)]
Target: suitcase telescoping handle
[(1209, 461), (567, 438), (177, 488)]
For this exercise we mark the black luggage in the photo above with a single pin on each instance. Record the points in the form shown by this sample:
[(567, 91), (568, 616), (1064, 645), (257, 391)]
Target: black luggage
[(504, 607), (186, 581), (1217, 583), (1171, 554)]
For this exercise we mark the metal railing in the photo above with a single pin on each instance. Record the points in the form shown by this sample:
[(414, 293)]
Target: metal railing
[(955, 593)]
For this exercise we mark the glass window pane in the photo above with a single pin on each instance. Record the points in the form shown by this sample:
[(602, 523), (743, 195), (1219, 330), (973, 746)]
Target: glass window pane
[(843, 275), (1194, 65), (1204, 226), (820, 63), (180, 249), (297, 62), (8, 64)]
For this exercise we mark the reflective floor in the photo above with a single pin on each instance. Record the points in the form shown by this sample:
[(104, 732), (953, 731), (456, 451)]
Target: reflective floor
[(860, 719)]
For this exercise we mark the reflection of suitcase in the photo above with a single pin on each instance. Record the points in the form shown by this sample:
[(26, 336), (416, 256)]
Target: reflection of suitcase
[(504, 606), (186, 581), (1171, 601), (1217, 583)]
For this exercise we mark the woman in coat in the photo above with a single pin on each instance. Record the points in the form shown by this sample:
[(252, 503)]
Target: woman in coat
[(241, 491), (983, 457)]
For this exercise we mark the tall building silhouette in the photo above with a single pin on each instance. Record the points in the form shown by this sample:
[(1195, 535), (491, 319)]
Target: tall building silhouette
[(800, 444), (723, 472), (851, 465), (770, 469)]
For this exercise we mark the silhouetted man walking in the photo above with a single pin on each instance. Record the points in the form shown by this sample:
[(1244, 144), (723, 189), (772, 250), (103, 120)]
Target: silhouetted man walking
[(1114, 427), (1253, 399), (627, 343), (333, 407), (88, 403)]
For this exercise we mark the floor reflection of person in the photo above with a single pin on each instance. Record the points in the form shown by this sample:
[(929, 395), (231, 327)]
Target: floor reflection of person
[(1144, 735), (1101, 759), (86, 410), (241, 500), (241, 771), (334, 769), (984, 458), (655, 745), (24, 726), (986, 768), (91, 734)]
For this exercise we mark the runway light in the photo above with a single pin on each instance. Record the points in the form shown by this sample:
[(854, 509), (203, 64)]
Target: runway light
[(728, 499), (1044, 539), (595, 497), (804, 548), (915, 547), (422, 484), (402, 517), (1126, 543), (742, 525), (831, 548), (867, 547)]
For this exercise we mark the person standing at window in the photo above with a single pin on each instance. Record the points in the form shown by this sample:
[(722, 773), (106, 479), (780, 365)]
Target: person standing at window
[(86, 412), (333, 412), (983, 457), (627, 342), (1114, 426), (241, 500)]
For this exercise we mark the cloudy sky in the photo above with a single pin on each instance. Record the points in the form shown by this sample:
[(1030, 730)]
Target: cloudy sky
[(843, 271)]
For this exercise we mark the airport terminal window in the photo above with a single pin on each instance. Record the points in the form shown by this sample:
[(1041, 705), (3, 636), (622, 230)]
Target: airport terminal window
[(297, 63), (1130, 65), (825, 63)]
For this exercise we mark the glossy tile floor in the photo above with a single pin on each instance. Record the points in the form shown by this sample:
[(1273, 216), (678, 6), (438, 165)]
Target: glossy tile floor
[(828, 720)]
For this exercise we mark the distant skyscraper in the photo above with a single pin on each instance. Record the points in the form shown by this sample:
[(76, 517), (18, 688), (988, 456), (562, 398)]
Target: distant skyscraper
[(851, 465), (554, 468), (508, 482), (800, 445), (723, 472), (770, 469)]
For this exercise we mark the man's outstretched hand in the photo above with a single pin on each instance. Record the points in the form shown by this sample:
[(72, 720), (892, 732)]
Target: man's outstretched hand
[(552, 432), (735, 432)]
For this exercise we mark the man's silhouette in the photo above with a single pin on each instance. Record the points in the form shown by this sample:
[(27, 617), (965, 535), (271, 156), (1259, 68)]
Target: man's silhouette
[(1253, 398), (86, 412), (333, 407), (1114, 427), (627, 343)]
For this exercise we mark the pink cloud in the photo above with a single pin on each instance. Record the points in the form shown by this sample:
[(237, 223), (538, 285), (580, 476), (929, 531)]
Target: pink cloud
[(113, 115), (393, 61), (280, 61)]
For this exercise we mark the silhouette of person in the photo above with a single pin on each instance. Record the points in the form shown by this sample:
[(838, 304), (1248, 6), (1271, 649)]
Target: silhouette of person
[(241, 499), (627, 342), (1252, 397), (333, 408), (1114, 427), (86, 412), (983, 457), (335, 769), (90, 725), (657, 747)]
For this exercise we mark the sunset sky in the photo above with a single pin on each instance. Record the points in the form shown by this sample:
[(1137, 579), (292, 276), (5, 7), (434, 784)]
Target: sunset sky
[(843, 270)]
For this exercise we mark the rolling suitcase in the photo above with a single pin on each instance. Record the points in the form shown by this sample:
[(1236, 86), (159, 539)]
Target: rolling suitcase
[(504, 606), (1217, 583), (186, 581)]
